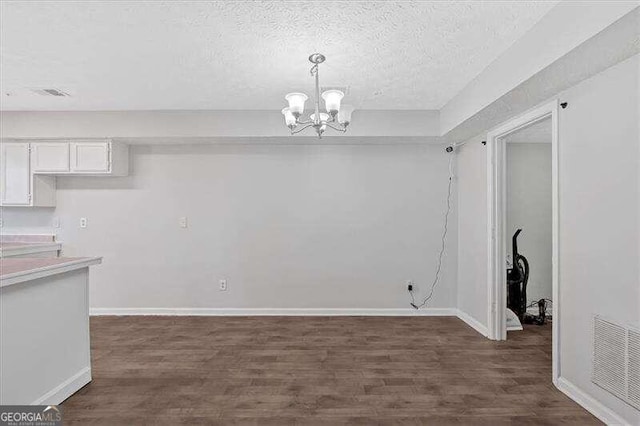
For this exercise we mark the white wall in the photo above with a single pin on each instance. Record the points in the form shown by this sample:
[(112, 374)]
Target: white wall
[(599, 214), (471, 183), (288, 226), (599, 191), (529, 207)]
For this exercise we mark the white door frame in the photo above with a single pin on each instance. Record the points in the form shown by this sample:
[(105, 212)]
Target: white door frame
[(496, 181)]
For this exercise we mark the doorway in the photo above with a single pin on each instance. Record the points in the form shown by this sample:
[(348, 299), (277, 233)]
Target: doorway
[(528, 230), (504, 181)]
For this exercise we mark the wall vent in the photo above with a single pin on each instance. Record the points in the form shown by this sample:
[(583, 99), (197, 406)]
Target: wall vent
[(50, 92), (634, 368), (616, 360)]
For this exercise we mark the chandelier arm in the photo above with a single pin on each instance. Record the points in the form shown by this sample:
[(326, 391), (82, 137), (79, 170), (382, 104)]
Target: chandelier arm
[(293, 132), (304, 122), (339, 129)]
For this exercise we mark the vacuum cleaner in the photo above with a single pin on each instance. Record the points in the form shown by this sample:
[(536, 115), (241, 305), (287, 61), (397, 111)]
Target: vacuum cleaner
[(517, 279)]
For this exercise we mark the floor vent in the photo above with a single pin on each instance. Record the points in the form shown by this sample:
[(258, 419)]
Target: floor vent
[(616, 360)]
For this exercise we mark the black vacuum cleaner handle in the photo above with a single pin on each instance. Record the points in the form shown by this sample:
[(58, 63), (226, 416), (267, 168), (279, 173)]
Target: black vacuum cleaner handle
[(514, 245)]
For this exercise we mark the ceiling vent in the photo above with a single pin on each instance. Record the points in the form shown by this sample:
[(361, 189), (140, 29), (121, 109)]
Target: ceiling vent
[(50, 92)]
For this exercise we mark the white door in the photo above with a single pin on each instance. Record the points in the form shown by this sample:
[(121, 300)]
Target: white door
[(49, 157), (15, 188), (90, 157)]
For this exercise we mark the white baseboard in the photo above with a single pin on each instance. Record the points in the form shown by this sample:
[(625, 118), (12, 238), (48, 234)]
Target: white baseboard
[(589, 403), (472, 322), (65, 389), (274, 312)]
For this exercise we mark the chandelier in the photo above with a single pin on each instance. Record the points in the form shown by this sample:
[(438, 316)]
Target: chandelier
[(336, 117)]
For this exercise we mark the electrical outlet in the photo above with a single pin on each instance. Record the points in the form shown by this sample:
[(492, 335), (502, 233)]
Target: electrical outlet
[(223, 285), (410, 285), (83, 222), (183, 222)]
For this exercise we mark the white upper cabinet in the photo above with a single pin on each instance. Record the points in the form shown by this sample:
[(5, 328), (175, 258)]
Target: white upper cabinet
[(80, 157), (28, 170), (90, 157), (18, 186), (16, 177), (49, 157)]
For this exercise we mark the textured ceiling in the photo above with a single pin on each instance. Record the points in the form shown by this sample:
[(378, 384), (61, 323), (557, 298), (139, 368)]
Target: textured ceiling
[(124, 55)]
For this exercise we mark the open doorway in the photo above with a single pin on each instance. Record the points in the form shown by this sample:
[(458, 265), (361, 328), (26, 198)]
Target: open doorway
[(499, 235), (529, 231)]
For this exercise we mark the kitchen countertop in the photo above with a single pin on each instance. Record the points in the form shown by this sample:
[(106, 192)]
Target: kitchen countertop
[(14, 248), (13, 244), (17, 270), (17, 245), (27, 238)]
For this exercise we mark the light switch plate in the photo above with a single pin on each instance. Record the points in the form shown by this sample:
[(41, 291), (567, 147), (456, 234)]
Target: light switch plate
[(183, 222)]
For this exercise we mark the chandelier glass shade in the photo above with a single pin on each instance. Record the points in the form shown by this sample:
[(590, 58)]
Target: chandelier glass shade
[(336, 117)]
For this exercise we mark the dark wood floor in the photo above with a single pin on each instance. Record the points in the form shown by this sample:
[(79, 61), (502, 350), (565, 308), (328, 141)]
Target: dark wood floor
[(317, 370)]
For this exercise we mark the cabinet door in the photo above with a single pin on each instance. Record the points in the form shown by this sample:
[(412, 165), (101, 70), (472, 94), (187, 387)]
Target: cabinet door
[(49, 157), (15, 188), (90, 157)]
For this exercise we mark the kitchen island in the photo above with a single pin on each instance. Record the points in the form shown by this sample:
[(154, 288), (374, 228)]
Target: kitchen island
[(44, 328)]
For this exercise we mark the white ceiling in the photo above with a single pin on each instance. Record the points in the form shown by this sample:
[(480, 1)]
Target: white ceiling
[(129, 55)]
